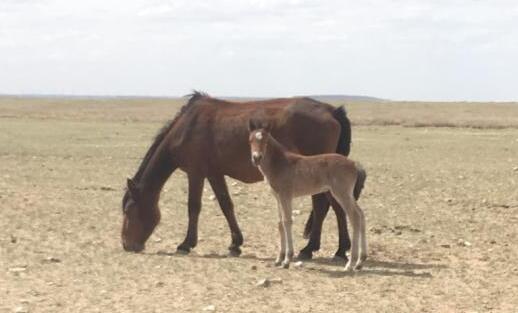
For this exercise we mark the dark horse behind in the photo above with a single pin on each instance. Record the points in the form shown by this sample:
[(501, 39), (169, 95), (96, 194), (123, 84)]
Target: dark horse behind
[(208, 139)]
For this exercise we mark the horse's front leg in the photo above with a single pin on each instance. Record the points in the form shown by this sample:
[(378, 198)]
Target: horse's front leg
[(219, 186), (287, 222), (194, 204)]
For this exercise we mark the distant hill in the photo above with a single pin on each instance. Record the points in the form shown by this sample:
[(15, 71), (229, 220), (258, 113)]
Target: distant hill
[(345, 98), (323, 98)]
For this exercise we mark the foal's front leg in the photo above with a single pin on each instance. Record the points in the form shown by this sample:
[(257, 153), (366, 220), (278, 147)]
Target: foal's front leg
[(287, 222), (282, 250)]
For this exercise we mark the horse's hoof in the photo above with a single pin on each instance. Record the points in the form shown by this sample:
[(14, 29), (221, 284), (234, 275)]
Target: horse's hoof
[(305, 255), (181, 249), (348, 267), (340, 258), (277, 263), (286, 265), (234, 251), (358, 267)]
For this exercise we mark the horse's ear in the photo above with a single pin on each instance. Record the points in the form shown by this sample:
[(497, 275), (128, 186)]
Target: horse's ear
[(132, 188)]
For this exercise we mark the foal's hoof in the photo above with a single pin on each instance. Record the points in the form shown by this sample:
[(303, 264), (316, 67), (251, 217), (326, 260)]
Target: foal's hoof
[(234, 251), (305, 255), (181, 249)]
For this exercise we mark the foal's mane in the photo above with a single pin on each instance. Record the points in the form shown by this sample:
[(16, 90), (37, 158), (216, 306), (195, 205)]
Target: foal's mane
[(193, 97)]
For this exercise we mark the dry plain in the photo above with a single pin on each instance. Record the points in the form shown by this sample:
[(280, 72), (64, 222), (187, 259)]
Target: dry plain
[(441, 203)]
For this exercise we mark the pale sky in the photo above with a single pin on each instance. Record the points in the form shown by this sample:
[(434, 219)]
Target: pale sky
[(401, 49)]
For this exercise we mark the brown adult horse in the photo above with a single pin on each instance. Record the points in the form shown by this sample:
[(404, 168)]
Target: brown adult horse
[(208, 138)]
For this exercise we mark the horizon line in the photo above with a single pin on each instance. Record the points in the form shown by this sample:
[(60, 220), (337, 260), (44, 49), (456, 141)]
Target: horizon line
[(136, 96)]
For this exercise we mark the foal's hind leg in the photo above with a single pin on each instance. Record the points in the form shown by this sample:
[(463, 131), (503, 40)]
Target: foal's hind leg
[(348, 203), (219, 186), (363, 238)]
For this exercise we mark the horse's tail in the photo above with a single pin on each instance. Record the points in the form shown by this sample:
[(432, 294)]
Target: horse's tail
[(360, 180), (344, 141), (344, 147)]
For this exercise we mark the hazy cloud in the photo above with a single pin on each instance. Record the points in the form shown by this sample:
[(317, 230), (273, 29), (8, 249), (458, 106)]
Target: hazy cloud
[(401, 49)]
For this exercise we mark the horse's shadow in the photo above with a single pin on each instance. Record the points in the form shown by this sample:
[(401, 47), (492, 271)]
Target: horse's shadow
[(370, 267), (213, 256)]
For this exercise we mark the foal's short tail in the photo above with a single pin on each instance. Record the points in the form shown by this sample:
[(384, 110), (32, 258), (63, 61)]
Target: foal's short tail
[(360, 180)]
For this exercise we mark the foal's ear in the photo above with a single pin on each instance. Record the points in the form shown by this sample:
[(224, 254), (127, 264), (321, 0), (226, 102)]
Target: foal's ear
[(132, 188), (252, 124), (268, 125)]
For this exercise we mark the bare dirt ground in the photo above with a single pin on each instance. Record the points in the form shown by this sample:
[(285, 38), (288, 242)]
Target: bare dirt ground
[(441, 205)]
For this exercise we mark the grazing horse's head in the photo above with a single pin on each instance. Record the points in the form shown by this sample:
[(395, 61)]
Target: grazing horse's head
[(139, 218), (258, 140)]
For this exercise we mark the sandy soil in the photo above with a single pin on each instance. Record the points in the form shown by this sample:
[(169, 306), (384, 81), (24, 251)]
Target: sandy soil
[(441, 207)]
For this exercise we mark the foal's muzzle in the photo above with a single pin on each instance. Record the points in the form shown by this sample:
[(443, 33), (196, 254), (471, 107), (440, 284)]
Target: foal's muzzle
[(256, 158)]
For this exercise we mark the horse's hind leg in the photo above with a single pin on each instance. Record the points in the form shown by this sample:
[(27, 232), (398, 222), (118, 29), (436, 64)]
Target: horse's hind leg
[(344, 242), (308, 226), (219, 186), (194, 204), (320, 209)]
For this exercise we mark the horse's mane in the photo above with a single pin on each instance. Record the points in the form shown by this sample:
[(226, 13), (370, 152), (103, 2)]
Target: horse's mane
[(193, 97)]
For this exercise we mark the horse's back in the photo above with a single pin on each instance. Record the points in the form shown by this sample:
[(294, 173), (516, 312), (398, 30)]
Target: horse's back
[(215, 132)]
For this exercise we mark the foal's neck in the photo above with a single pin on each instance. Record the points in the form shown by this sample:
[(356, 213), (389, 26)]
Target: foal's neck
[(274, 158)]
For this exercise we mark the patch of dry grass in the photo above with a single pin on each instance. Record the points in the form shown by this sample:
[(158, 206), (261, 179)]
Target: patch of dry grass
[(429, 114), (410, 114)]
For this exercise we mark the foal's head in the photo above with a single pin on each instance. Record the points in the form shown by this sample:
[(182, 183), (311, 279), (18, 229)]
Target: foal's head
[(139, 218), (258, 139)]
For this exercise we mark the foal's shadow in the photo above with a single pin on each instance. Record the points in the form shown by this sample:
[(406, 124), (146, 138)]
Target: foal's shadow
[(380, 268)]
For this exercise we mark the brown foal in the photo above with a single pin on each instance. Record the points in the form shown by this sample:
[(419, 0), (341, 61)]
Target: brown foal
[(292, 175)]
